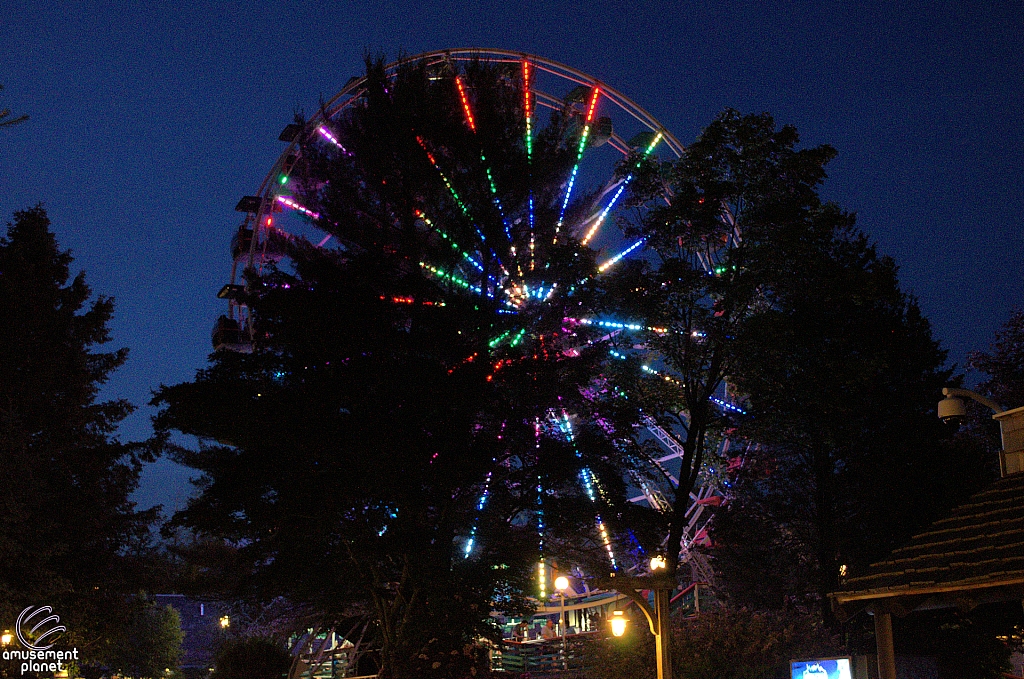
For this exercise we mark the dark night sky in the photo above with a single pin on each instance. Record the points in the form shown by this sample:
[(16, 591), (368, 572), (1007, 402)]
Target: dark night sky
[(150, 120)]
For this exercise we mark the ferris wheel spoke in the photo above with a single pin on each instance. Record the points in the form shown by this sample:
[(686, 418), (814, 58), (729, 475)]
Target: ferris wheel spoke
[(618, 258), (618, 194), (528, 114), (467, 110), (476, 520), (326, 134), (462, 206), (289, 202), (451, 241), (588, 121), (588, 479)]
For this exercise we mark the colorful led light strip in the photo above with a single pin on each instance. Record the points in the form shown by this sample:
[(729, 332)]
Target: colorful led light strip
[(615, 198), (528, 111), (285, 200), (444, 275), (444, 178), (589, 481), (615, 260), (533, 240), (496, 200), (541, 568), (616, 325), (458, 201), (714, 399), (479, 508), (465, 104), (466, 255), (499, 339), (517, 339), (330, 137), (579, 157)]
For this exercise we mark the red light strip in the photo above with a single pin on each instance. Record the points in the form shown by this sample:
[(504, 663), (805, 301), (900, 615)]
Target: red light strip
[(465, 103)]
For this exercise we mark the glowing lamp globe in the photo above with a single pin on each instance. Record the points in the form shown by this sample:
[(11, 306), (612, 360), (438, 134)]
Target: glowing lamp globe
[(561, 583), (225, 622), (6, 637), (658, 562), (618, 623)]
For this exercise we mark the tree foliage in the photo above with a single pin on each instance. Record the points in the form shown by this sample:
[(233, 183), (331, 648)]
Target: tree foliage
[(735, 189), (150, 644), (67, 526), (1003, 364), (841, 373), (348, 458)]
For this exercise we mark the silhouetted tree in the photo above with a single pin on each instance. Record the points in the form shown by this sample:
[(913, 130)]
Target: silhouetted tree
[(840, 372), (67, 526), (740, 184), (1003, 364)]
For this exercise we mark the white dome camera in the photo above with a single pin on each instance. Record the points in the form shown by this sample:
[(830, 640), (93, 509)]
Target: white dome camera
[(952, 410)]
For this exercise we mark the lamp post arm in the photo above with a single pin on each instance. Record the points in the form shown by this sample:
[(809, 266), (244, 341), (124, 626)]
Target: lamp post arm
[(987, 402), (644, 607)]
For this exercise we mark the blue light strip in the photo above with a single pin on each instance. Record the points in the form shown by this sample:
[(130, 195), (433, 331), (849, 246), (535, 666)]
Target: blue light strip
[(615, 198), (615, 260), (479, 508), (589, 481)]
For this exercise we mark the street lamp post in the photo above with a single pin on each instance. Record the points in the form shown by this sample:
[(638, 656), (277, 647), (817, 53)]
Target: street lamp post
[(662, 583), (562, 584)]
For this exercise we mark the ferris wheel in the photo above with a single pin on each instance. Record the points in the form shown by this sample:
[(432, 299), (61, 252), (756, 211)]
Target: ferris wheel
[(505, 259)]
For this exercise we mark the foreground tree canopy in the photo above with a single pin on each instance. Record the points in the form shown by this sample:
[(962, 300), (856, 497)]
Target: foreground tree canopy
[(839, 373), (67, 527)]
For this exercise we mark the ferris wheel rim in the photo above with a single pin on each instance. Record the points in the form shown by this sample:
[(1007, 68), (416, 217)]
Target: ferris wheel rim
[(352, 91)]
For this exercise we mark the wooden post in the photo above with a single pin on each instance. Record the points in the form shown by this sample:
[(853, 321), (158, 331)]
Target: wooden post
[(883, 645)]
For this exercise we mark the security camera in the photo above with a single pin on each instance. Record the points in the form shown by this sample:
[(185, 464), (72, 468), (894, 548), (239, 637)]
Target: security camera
[(952, 410)]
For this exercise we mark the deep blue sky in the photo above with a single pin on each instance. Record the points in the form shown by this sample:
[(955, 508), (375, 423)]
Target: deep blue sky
[(150, 120)]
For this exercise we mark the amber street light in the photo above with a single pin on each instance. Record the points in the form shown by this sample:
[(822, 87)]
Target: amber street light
[(6, 637), (225, 622), (618, 623)]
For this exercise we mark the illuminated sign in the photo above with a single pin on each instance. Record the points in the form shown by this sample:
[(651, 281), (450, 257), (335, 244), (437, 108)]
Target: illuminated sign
[(825, 668)]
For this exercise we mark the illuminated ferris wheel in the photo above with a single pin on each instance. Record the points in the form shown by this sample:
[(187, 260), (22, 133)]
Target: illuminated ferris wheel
[(504, 258)]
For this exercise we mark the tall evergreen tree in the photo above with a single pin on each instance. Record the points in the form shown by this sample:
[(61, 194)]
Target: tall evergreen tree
[(1003, 364), (66, 521), (395, 389)]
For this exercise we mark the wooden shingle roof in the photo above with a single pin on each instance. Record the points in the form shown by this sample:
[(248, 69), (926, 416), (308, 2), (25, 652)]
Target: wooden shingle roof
[(980, 545)]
